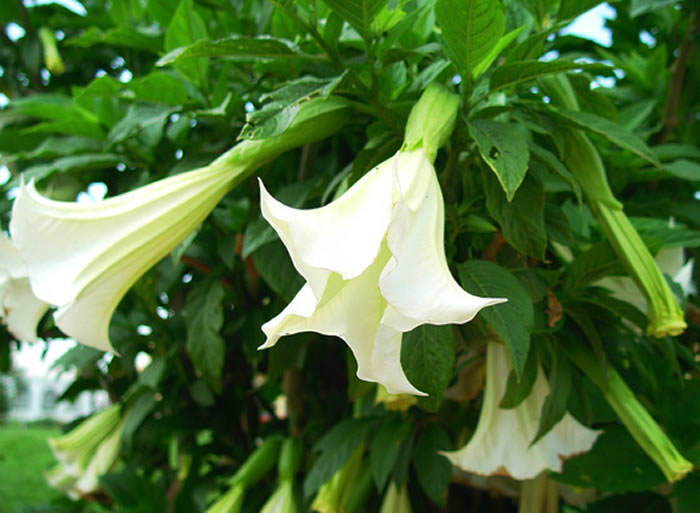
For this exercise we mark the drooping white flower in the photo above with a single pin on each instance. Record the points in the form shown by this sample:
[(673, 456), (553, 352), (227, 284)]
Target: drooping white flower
[(501, 443), (20, 309), (374, 264), (83, 257)]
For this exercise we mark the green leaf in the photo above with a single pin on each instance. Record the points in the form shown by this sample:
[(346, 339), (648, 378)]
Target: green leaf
[(556, 165), (274, 266), (237, 47), (427, 358), (597, 262), (646, 502), (73, 163), (335, 448), (504, 147), (470, 29), (359, 13), (685, 169), (554, 406), (573, 8), (204, 316), (279, 113), (502, 43), (187, 27), (686, 493), (384, 450), (613, 132), (512, 321), (120, 37), (139, 409), (542, 9), (521, 220), (433, 470), (660, 230), (148, 118), (513, 73), (130, 490), (603, 467), (159, 87)]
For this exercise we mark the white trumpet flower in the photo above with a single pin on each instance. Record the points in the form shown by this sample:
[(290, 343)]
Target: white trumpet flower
[(83, 258), (374, 264), (20, 309), (501, 443)]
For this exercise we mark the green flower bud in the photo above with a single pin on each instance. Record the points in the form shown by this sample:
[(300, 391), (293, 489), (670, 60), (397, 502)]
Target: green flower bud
[(431, 120), (52, 58), (633, 415)]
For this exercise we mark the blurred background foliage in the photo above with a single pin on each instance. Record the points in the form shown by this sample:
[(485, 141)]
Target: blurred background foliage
[(107, 96)]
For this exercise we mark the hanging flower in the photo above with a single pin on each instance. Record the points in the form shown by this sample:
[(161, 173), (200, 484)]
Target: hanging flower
[(20, 309), (83, 258), (86, 452), (374, 264), (374, 259), (501, 443)]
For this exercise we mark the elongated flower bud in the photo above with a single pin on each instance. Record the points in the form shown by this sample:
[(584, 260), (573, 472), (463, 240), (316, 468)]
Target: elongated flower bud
[(631, 412), (581, 157), (52, 58)]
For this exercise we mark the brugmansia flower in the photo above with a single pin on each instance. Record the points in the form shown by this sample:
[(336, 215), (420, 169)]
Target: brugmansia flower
[(396, 500), (86, 452), (501, 443), (20, 309), (374, 259), (82, 258)]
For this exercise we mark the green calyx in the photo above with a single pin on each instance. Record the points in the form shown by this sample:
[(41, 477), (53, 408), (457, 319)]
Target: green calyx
[(431, 120)]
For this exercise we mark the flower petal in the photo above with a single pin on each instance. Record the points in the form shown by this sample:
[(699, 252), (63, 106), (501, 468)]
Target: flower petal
[(349, 309), (501, 443), (417, 283), (21, 309), (343, 236)]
